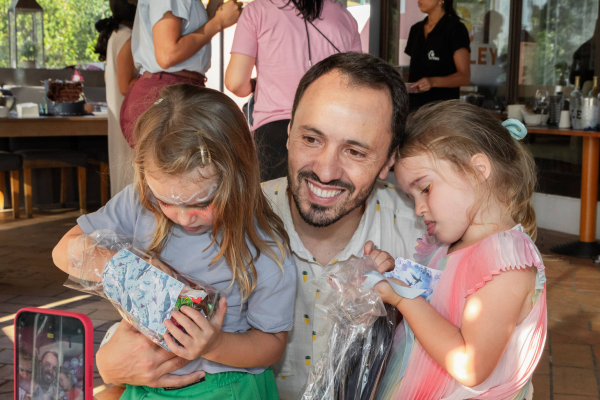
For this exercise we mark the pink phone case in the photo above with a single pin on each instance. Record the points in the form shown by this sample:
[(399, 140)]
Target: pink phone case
[(88, 335)]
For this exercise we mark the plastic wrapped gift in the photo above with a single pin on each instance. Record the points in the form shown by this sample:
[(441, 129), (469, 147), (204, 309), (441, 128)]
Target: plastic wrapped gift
[(142, 288), (360, 338)]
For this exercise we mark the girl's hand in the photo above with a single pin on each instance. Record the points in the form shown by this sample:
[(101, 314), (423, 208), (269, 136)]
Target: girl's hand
[(388, 295), (131, 358), (424, 84), (202, 337), (383, 260)]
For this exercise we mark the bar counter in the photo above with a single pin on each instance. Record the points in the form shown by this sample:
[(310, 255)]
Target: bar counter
[(87, 125)]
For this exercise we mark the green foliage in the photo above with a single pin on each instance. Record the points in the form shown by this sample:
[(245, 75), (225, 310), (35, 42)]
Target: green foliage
[(29, 50), (559, 28), (69, 32)]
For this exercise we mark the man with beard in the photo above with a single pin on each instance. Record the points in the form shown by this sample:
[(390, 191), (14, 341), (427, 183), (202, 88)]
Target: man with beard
[(47, 376), (348, 117)]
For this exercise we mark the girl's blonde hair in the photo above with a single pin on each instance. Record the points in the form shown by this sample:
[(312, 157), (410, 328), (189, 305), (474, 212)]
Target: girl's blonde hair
[(455, 132), (191, 127)]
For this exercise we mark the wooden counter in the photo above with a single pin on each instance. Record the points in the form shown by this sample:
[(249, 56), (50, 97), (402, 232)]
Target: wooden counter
[(88, 125), (586, 247)]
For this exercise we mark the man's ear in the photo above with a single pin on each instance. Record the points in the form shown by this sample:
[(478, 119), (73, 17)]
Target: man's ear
[(482, 164), (388, 164)]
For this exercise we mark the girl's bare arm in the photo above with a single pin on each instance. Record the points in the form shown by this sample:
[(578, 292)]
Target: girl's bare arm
[(93, 263), (470, 353)]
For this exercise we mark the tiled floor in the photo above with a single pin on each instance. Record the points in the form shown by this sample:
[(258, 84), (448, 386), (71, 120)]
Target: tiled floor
[(567, 371), (29, 278)]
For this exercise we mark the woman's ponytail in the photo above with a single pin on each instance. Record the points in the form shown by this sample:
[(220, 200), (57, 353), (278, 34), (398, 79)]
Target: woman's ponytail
[(105, 27), (123, 12)]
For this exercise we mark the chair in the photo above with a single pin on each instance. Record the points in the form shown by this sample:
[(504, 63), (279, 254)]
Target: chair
[(9, 162), (96, 149), (51, 152)]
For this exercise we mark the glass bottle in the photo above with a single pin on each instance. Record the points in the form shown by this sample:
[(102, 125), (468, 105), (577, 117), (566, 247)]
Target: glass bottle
[(575, 106), (589, 108), (594, 91)]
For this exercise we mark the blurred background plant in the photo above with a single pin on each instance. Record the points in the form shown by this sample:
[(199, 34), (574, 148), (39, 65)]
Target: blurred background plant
[(69, 31)]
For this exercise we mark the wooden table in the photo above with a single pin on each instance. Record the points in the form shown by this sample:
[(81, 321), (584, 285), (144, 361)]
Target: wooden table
[(586, 247), (89, 125)]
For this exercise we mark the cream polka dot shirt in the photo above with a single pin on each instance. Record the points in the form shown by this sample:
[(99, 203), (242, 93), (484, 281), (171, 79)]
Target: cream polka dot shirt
[(389, 221)]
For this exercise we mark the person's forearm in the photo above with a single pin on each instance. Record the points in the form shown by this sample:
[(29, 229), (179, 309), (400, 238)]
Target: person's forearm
[(90, 261), (442, 340), (249, 349), (188, 45), (243, 89), (457, 79), (238, 76)]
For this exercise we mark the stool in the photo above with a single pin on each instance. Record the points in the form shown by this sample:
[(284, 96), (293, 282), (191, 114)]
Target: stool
[(37, 153), (96, 149), (10, 162)]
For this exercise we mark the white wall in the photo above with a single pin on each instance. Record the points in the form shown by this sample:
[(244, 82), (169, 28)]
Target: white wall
[(560, 213)]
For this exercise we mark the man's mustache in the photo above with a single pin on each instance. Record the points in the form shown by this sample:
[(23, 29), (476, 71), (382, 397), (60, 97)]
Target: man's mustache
[(336, 182)]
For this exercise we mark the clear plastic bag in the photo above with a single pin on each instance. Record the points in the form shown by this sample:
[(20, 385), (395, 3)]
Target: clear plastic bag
[(360, 339), (144, 289)]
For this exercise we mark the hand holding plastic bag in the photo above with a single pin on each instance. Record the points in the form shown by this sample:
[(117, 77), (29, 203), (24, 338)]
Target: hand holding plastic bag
[(142, 288), (360, 338)]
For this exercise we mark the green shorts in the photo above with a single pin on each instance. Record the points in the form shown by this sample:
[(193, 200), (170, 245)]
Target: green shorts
[(225, 385)]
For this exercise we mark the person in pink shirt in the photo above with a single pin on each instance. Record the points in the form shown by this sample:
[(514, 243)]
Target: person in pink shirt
[(283, 38)]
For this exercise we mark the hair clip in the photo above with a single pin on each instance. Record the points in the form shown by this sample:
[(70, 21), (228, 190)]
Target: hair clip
[(158, 101), (516, 128), (204, 153)]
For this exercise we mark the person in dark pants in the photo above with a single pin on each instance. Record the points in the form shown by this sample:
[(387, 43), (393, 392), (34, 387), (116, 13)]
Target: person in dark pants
[(283, 38), (272, 150), (439, 48)]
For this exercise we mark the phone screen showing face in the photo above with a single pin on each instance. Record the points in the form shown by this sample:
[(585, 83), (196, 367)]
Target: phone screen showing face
[(50, 357)]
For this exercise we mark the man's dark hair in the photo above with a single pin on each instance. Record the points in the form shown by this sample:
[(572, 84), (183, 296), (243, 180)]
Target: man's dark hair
[(365, 70), (55, 354)]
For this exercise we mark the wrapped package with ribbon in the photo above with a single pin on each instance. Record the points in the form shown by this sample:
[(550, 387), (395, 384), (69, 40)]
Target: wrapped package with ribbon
[(144, 289), (360, 338)]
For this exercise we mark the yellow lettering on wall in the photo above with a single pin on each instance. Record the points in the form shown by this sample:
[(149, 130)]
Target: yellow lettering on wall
[(493, 54), (481, 56)]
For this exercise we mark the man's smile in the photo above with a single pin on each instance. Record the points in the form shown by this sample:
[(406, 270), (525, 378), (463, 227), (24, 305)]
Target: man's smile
[(323, 194)]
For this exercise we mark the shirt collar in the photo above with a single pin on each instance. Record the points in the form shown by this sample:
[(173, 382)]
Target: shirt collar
[(439, 24)]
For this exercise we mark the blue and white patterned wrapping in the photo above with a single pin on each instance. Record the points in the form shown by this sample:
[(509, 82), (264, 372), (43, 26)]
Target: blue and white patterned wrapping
[(143, 294), (416, 276)]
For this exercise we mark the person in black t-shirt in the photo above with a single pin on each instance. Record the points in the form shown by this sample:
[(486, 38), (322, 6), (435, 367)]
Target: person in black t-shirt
[(439, 48)]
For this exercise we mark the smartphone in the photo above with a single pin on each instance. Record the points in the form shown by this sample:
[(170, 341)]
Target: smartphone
[(53, 355)]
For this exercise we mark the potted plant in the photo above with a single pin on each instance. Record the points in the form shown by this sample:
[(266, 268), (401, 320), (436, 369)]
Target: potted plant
[(29, 50)]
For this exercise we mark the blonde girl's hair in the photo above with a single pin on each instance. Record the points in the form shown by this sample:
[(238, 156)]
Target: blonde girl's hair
[(191, 127), (455, 131)]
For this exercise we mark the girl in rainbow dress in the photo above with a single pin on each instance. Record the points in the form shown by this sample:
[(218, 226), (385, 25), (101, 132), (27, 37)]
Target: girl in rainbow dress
[(483, 333)]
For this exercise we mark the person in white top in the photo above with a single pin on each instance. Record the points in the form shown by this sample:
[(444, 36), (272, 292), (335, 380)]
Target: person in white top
[(348, 116), (114, 47), (171, 44)]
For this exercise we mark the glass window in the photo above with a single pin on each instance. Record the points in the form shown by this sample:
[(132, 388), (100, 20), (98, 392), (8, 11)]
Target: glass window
[(557, 44), (69, 32), (487, 22)]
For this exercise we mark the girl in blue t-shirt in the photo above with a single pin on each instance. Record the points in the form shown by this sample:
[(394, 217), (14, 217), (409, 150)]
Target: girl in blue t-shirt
[(197, 202)]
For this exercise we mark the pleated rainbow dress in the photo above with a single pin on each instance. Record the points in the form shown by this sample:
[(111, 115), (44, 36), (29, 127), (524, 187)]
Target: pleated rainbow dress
[(466, 271)]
